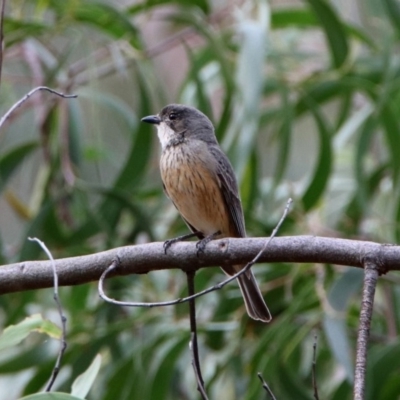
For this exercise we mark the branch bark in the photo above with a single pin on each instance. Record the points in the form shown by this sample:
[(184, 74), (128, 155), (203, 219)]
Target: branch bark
[(370, 281), (144, 258)]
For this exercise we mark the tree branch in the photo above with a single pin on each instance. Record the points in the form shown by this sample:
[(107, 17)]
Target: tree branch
[(193, 337), (144, 258), (370, 280)]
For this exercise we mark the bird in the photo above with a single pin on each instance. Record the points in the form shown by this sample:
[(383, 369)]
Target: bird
[(199, 179)]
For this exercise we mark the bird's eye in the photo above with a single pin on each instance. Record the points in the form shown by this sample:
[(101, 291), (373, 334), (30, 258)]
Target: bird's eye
[(172, 116)]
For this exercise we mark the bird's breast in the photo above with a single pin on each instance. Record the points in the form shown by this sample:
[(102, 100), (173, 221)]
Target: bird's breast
[(192, 185)]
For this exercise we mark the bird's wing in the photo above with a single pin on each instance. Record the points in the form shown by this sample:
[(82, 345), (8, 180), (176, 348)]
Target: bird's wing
[(229, 189)]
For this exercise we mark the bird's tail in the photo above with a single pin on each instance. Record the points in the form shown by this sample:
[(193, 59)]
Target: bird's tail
[(253, 299)]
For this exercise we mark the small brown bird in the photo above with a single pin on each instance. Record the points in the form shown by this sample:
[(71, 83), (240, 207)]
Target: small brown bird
[(200, 181)]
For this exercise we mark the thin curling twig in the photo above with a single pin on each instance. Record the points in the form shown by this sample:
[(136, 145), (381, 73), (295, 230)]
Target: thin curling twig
[(370, 280), (193, 340), (218, 286), (265, 386), (28, 95), (63, 343), (314, 365)]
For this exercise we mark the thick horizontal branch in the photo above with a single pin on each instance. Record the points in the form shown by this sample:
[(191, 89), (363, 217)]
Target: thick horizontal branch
[(144, 258)]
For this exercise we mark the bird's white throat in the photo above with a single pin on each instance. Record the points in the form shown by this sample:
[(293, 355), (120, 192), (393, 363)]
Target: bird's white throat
[(165, 134)]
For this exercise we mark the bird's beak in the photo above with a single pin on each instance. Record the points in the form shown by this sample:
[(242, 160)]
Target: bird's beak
[(152, 119)]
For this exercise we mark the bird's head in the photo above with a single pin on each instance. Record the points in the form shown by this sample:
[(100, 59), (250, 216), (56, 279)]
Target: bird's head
[(176, 120)]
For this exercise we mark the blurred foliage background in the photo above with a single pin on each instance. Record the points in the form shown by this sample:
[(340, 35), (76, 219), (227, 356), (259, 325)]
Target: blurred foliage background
[(305, 98)]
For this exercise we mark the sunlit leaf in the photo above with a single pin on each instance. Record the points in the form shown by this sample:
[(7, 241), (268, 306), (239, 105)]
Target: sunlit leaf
[(14, 334), (345, 287), (51, 396), (84, 382), (338, 339)]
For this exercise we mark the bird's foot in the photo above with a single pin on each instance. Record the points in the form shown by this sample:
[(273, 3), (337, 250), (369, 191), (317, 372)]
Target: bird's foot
[(170, 242), (201, 244)]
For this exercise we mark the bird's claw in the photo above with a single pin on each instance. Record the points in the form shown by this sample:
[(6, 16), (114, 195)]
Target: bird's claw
[(201, 244), (167, 244)]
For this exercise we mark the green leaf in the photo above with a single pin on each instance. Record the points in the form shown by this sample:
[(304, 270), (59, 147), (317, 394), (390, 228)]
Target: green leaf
[(249, 184), (125, 378), (284, 137), (14, 334), (338, 340), (203, 102), (47, 226), (165, 365), (84, 382), (344, 288), (397, 224), (51, 396), (393, 12), (391, 127), (335, 324), (105, 17), (283, 18), (112, 103), (131, 173), (291, 386), (34, 357), (334, 30), (300, 17), (356, 207), (15, 31), (362, 151), (324, 165), (147, 5), (217, 47), (383, 362), (12, 160), (319, 93), (140, 151), (348, 127), (342, 392)]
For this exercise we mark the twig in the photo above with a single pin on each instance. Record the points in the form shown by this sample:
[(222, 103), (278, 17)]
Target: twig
[(218, 286), (3, 5), (370, 280), (63, 343), (193, 340), (265, 386), (28, 95), (314, 366)]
